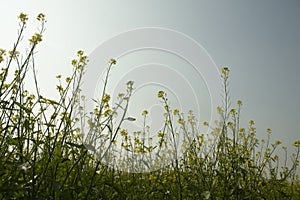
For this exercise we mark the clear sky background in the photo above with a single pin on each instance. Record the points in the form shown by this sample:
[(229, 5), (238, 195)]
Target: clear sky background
[(258, 40)]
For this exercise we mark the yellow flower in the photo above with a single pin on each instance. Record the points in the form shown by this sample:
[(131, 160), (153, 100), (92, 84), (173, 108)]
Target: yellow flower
[(205, 123), (59, 88), (284, 147), (123, 132), (296, 143), (219, 110), (105, 98), (160, 134), (176, 111), (232, 111), (74, 62), (225, 70), (230, 124), (242, 130), (41, 17), (14, 53), (36, 38), (152, 177), (2, 53), (160, 94), (107, 112), (112, 61), (80, 53), (23, 17), (180, 121), (239, 102), (251, 123), (68, 79), (164, 181), (83, 59), (145, 112), (277, 142)]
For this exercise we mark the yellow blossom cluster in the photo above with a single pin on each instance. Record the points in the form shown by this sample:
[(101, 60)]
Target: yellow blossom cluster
[(112, 61), (105, 98), (41, 17), (144, 113), (2, 54), (176, 111), (36, 38), (160, 94), (23, 17)]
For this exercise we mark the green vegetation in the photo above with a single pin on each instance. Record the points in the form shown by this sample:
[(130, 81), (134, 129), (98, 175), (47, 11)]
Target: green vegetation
[(42, 155)]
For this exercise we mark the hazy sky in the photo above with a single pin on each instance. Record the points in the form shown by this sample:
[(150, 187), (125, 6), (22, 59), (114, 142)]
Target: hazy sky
[(258, 40)]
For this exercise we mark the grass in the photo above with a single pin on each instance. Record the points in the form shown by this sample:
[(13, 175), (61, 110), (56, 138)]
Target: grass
[(44, 154)]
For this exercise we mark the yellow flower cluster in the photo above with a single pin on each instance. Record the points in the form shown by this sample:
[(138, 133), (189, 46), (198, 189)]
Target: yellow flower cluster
[(23, 17), (14, 53), (160, 94), (296, 143), (219, 110), (205, 123), (176, 111), (68, 79), (2, 53), (230, 125), (139, 149), (225, 73), (41, 17), (105, 98), (124, 132), (81, 62), (180, 121), (80, 53), (144, 113), (233, 112), (251, 123), (152, 177), (239, 102), (112, 61), (74, 62), (225, 70), (36, 38), (107, 112), (160, 134)]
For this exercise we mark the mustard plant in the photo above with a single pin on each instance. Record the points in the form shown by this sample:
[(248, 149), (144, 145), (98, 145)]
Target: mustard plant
[(56, 149)]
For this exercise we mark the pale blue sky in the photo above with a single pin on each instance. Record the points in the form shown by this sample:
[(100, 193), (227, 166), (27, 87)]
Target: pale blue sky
[(258, 40)]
